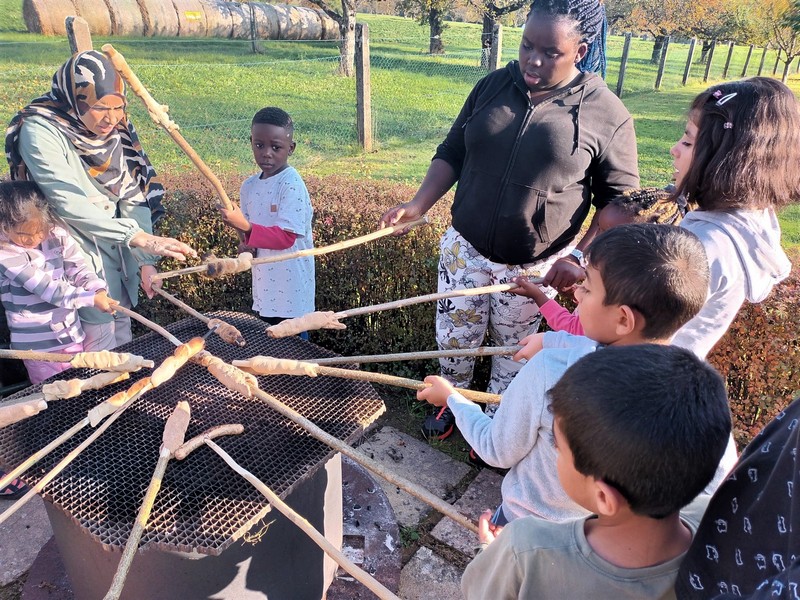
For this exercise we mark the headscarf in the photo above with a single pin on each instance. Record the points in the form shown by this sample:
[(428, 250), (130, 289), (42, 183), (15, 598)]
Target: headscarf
[(116, 161)]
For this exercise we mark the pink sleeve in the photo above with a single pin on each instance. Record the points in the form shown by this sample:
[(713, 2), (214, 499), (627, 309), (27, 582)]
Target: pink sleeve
[(272, 238), (560, 319)]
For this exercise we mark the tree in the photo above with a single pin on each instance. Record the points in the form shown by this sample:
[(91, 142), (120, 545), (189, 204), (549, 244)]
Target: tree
[(492, 13), (347, 29), (782, 17), (431, 12), (661, 18)]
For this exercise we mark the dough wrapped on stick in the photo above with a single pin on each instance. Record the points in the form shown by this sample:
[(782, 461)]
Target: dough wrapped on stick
[(58, 390), (220, 267), (227, 332), (331, 320), (110, 361), (229, 376), (166, 370), (18, 411), (267, 365), (310, 322)]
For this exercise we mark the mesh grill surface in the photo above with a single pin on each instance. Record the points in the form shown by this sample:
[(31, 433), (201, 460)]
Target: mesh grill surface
[(202, 505)]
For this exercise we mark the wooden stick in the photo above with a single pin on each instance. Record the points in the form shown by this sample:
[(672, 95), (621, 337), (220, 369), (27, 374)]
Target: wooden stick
[(300, 253), (240, 341), (50, 356), (158, 113), (271, 366), (368, 463), (403, 382), (357, 572), (149, 324), (193, 444), (174, 432), (424, 355), (53, 473), (311, 321), (365, 310)]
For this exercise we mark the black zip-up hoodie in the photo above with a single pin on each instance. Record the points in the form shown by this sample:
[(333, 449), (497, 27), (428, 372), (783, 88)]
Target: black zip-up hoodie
[(528, 173)]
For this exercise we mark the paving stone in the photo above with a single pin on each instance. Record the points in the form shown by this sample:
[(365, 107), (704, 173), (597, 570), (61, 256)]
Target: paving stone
[(22, 537), (418, 462), (482, 493), (427, 576)]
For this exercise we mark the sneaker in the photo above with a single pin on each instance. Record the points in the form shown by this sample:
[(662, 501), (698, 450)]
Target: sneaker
[(14, 490), (475, 460), (439, 426)]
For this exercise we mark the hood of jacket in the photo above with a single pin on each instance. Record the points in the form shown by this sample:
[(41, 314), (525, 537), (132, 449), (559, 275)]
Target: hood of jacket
[(756, 235)]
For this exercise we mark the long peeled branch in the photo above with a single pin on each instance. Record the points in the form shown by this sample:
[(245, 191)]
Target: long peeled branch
[(328, 320), (159, 114), (368, 463), (149, 324), (266, 365), (102, 360), (174, 432), (113, 408), (422, 355), (348, 565), (204, 268), (226, 331)]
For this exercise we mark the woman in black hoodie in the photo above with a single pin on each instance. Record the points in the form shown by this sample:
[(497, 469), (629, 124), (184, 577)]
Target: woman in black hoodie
[(535, 145)]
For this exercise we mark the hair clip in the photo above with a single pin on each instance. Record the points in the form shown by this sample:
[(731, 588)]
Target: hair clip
[(727, 125), (725, 98)]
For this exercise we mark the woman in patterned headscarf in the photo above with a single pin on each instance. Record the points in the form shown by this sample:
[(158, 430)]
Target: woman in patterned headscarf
[(77, 144)]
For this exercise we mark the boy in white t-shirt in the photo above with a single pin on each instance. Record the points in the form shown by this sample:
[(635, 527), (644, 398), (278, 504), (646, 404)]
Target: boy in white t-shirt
[(275, 218)]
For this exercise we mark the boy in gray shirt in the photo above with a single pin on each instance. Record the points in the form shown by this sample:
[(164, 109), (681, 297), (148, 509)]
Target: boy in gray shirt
[(639, 432)]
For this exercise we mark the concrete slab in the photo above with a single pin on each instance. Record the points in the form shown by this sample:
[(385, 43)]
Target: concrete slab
[(428, 576), (417, 461), (22, 536), (482, 493)]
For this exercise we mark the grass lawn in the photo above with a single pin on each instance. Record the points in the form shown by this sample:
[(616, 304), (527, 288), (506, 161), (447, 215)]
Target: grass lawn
[(213, 86)]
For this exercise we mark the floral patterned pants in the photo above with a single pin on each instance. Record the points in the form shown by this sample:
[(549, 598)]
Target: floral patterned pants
[(463, 322)]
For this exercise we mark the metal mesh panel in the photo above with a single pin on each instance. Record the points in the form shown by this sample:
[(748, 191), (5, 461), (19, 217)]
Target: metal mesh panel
[(202, 505)]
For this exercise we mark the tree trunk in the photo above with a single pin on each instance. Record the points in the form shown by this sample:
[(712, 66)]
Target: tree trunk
[(486, 38), (658, 47), (347, 27), (437, 26), (704, 52)]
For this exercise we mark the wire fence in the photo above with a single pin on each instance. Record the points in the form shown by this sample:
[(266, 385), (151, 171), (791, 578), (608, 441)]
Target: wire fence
[(214, 86)]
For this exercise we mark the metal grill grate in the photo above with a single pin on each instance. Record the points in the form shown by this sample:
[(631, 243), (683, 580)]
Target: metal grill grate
[(203, 506)]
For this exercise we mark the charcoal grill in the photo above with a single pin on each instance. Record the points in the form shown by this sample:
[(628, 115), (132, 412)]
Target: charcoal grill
[(203, 507)]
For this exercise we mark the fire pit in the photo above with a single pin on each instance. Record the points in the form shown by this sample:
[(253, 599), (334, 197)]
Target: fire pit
[(203, 507)]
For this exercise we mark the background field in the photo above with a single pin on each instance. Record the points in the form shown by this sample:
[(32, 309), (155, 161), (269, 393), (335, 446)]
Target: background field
[(213, 86)]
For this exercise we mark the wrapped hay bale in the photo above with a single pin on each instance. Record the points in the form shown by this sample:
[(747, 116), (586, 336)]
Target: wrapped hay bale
[(266, 21), (96, 15), (126, 18), (239, 16), (191, 18), (330, 28), (47, 16), (160, 18), (218, 18)]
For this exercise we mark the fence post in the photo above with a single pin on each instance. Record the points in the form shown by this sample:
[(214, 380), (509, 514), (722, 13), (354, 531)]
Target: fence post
[(763, 58), (623, 63), (252, 28), (747, 60), (496, 52), (78, 34), (728, 60), (363, 88), (710, 58), (777, 61), (692, 44), (663, 62)]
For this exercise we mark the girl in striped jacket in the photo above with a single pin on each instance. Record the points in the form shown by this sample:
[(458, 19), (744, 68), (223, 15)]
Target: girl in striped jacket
[(44, 279)]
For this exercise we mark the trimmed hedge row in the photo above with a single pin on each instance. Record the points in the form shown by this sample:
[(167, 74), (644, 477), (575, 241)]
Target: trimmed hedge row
[(759, 356)]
